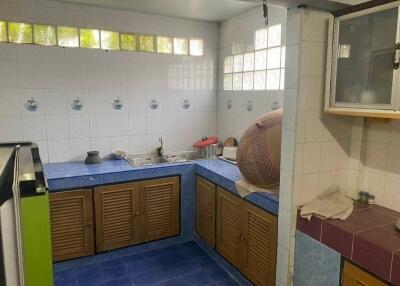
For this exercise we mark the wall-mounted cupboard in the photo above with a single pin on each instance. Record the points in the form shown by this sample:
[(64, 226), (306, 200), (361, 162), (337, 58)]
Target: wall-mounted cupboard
[(363, 62)]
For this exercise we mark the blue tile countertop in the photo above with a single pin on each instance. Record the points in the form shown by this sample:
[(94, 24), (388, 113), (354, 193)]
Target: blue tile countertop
[(72, 175)]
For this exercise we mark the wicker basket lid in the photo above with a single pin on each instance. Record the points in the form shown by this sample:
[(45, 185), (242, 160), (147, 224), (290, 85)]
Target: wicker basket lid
[(259, 151)]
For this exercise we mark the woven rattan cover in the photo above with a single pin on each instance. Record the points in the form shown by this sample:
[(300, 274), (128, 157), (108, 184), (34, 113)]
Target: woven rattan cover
[(259, 151)]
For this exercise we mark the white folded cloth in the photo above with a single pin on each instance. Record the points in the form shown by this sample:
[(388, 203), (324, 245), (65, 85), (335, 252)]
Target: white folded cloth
[(331, 203), (244, 188)]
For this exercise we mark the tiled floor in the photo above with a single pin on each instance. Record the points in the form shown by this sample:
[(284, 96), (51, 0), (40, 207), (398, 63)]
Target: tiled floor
[(184, 264)]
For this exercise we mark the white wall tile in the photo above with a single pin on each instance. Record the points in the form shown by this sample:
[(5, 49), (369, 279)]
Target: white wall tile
[(101, 144), (10, 101), (79, 148), (120, 143), (34, 127), (11, 128), (99, 125), (59, 151), (79, 126), (57, 126)]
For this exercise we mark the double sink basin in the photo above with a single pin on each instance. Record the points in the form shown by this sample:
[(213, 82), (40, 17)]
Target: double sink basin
[(153, 159)]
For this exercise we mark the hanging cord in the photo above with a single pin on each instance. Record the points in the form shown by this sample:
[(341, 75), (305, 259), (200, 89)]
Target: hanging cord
[(265, 12)]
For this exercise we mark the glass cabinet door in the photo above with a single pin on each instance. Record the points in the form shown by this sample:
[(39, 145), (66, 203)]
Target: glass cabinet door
[(364, 51)]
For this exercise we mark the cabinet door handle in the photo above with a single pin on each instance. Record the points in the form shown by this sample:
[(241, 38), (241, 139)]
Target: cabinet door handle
[(137, 213), (396, 62), (89, 223), (210, 217)]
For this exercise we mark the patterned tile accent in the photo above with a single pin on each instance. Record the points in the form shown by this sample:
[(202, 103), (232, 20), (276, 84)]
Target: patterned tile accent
[(181, 264), (315, 264), (367, 237)]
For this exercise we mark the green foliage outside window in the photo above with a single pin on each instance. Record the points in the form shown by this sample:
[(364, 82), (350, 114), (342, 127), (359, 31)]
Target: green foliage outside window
[(146, 43), (68, 37), (20, 33), (109, 40), (128, 42), (3, 31), (164, 45), (89, 38), (44, 35)]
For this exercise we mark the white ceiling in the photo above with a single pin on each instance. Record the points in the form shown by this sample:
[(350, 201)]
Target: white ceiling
[(207, 10)]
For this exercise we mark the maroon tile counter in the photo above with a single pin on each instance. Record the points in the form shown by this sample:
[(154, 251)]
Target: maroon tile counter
[(367, 237)]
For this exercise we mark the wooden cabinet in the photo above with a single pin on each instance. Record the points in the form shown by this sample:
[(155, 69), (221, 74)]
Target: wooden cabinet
[(132, 213), (205, 210), (71, 217), (229, 226), (260, 231), (117, 215), (247, 238), (159, 208), (354, 276)]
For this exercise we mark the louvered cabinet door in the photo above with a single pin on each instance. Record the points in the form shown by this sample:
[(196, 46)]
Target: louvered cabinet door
[(117, 216), (260, 231), (205, 210), (354, 276), (160, 208), (71, 217), (229, 234)]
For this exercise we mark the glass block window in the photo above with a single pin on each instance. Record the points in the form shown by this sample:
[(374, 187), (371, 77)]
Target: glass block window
[(273, 77), (196, 47), (89, 38), (282, 80), (248, 81), (248, 62), (20, 33), (68, 37), (40, 34), (274, 58), (181, 46), (44, 35), (259, 80), (260, 39), (147, 43), (228, 64), (260, 60), (262, 69), (164, 45), (128, 42), (237, 81), (228, 79), (283, 56), (238, 63), (274, 35), (3, 31), (109, 40)]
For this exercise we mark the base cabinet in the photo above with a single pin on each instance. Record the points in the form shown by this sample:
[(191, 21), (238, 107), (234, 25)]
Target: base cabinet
[(124, 214), (159, 211), (354, 276), (205, 210), (247, 238), (71, 218), (117, 216)]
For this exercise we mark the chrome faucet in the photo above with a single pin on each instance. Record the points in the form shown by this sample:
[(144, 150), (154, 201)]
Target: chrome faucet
[(160, 150)]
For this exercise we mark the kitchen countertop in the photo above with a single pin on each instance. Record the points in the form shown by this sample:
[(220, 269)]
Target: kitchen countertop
[(367, 238), (72, 175)]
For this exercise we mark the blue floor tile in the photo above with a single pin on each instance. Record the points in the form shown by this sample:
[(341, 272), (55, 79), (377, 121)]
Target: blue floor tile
[(182, 264)]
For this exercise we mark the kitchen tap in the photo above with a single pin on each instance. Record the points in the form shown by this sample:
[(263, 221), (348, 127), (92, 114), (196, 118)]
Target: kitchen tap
[(160, 150)]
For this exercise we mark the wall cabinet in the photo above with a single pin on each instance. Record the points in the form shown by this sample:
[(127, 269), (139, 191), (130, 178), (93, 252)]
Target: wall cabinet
[(71, 217), (363, 63), (247, 238), (354, 276), (205, 210)]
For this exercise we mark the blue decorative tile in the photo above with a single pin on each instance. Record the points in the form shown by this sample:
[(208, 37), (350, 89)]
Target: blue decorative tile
[(315, 264), (114, 273), (119, 282)]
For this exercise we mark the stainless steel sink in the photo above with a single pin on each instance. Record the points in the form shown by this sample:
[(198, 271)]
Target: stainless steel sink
[(152, 159)]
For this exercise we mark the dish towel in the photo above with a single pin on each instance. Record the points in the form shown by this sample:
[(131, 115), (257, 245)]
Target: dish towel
[(244, 188), (331, 203)]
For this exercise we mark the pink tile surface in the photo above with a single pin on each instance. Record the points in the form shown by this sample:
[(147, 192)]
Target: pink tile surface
[(367, 237), (396, 269), (338, 234)]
